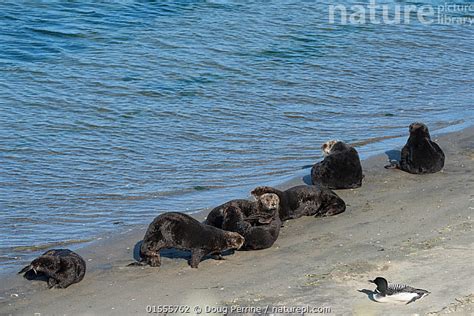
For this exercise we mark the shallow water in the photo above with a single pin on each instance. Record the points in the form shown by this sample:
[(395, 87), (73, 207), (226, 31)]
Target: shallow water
[(115, 112)]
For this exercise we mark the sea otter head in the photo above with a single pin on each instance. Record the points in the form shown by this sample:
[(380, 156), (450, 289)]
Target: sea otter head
[(268, 202), (419, 129), (234, 240), (268, 205), (46, 264), (332, 146)]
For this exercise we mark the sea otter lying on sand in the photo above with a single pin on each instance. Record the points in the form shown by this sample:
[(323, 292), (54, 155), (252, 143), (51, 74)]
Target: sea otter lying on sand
[(263, 209), (420, 154), (340, 169), (181, 231), (305, 200), (60, 267), (258, 222)]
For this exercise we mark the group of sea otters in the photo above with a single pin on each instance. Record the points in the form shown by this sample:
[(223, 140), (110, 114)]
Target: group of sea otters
[(251, 225)]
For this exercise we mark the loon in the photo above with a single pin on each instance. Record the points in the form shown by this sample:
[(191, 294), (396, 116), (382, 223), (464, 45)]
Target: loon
[(396, 293)]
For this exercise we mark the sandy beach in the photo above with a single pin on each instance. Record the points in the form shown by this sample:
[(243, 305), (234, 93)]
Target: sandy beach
[(413, 229)]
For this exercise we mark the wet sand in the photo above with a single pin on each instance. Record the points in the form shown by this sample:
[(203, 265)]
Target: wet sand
[(413, 229)]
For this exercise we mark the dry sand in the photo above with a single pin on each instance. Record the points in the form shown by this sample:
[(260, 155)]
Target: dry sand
[(414, 229)]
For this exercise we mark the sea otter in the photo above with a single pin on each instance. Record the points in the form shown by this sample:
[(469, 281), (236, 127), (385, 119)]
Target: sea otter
[(61, 267), (305, 200), (420, 154), (340, 169), (258, 222), (261, 210), (181, 231)]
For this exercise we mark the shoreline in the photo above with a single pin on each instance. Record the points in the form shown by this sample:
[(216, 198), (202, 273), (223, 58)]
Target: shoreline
[(367, 149), (370, 210)]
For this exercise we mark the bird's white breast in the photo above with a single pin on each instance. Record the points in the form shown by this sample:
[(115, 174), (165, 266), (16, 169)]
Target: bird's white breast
[(402, 297)]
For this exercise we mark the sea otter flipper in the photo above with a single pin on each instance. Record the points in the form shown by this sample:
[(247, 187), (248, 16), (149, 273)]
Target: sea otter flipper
[(217, 256), (25, 269), (137, 263), (196, 257), (394, 164)]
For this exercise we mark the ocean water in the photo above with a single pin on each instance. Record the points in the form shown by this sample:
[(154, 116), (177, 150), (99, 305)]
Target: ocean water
[(115, 111)]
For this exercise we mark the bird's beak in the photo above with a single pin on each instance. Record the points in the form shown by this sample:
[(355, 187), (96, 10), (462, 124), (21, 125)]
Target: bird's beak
[(35, 271), (371, 281)]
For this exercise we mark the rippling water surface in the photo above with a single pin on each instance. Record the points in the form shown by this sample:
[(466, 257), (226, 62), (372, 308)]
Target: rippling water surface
[(112, 112)]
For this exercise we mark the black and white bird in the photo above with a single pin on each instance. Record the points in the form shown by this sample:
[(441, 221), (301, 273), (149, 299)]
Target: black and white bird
[(396, 293)]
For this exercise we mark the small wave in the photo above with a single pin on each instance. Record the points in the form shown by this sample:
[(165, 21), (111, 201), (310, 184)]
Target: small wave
[(373, 140), (294, 115), (58, 33), (150, 93), (154, 195), (50, 245)]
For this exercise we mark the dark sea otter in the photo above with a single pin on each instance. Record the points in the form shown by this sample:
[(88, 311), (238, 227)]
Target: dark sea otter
[(60, 267), (181, 231), (340, 168), (262, 209), (258, 222), (305, 200), (420, 154)]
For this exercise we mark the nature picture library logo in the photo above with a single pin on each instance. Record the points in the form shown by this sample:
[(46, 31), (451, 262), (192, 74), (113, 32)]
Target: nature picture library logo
[(374, 13)]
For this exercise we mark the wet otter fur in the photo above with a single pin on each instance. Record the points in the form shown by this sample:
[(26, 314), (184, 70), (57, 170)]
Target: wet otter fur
[(258, 222), (181, 231), (257, 235), (60, 268), (261, 210), (305, 200), (420, 154), (340, 168)]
